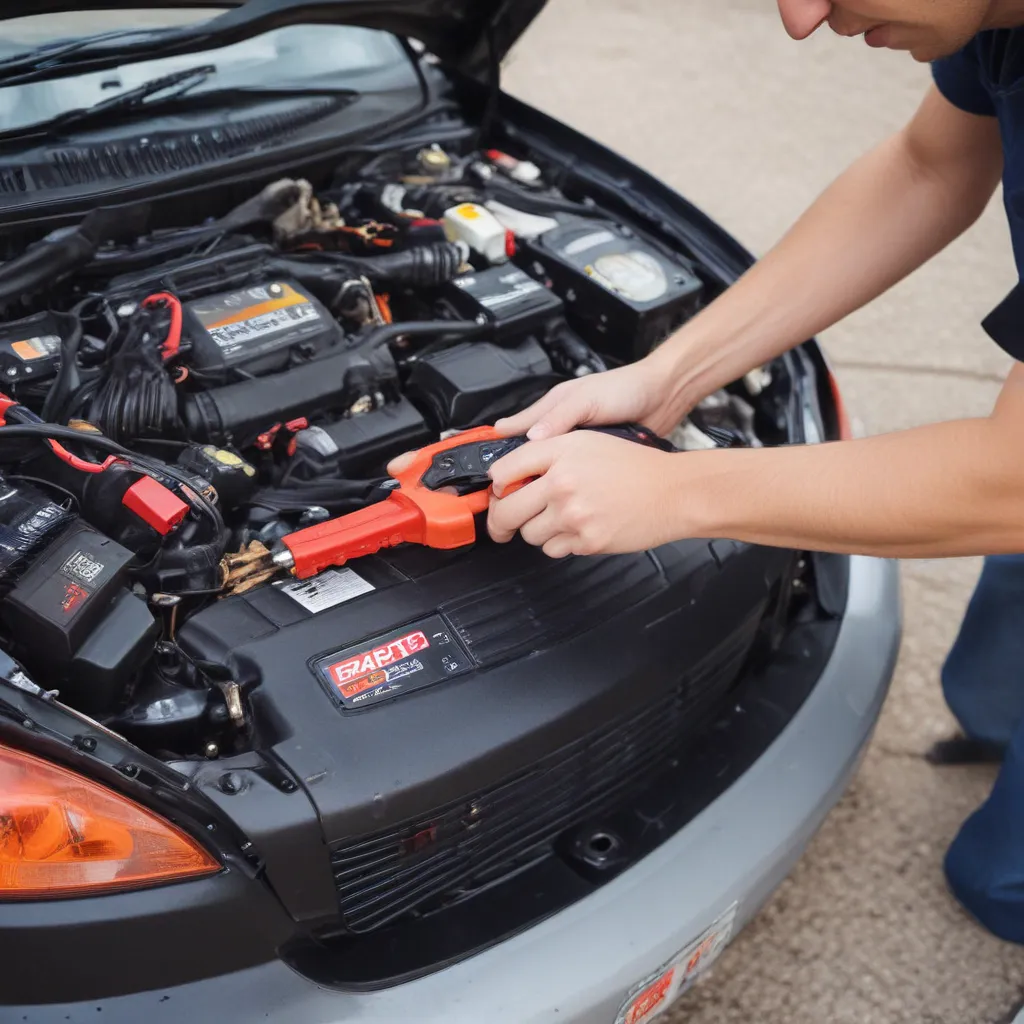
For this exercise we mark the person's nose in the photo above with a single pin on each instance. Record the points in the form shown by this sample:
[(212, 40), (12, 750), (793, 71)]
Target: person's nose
[(802, 17)]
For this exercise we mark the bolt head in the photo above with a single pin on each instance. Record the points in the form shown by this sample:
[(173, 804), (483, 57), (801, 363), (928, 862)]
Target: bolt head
[(230, 783)]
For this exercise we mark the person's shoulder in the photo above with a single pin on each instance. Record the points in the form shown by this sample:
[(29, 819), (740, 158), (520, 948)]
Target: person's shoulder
[(999, 54)]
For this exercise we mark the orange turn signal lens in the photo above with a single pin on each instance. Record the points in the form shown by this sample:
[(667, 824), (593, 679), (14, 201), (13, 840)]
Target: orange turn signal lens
[(62, 834)]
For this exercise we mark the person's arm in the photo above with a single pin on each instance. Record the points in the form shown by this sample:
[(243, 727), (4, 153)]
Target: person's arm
[(892, 210), (883, 217), (941, 490), (948, 489)]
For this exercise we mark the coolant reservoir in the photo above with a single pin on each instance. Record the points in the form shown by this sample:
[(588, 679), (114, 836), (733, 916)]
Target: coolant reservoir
[(479, 229)]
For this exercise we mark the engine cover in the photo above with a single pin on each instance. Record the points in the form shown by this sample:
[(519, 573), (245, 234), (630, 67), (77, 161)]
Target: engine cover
[(416, 685)]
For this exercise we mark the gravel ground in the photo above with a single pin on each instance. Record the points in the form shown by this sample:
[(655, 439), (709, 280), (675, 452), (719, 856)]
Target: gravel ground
[(711, 96)]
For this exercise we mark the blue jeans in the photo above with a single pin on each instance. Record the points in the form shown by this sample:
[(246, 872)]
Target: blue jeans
[(983, 680)]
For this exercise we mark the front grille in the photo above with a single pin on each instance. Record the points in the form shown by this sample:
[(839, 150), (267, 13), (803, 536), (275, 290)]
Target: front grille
[(447, 853)]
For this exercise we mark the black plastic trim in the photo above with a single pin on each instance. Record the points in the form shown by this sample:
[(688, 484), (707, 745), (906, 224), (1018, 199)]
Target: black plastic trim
[(760, 708)]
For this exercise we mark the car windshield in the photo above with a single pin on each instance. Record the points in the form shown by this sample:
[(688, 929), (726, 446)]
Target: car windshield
[(297, 56)]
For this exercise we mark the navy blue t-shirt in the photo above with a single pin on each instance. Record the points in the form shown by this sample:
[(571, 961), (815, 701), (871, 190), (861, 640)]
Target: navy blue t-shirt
[(987, 77)]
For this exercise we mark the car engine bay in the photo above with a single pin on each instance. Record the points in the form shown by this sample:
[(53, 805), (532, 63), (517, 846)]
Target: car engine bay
[(176, 402)]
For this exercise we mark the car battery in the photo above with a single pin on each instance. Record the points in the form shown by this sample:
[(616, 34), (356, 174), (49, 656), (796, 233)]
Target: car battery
[(260, 329), (60, 604), (30, 349), (623, 294), (507, 298)]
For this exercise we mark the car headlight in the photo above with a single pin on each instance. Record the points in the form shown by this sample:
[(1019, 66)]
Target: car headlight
[(62, 834)]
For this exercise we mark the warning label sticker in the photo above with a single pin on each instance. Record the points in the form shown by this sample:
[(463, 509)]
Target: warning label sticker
[(326, 590), (255, 314), (36, 348), (396, 663), (656, 993)]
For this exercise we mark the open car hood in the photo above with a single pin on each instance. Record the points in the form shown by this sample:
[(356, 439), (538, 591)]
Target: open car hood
[(466, 34)]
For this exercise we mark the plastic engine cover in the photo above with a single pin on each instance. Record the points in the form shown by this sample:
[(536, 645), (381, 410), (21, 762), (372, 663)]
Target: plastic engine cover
[(409, 681)]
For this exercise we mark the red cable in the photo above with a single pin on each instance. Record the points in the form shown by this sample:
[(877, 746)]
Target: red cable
[(83, 464), (173, 342)]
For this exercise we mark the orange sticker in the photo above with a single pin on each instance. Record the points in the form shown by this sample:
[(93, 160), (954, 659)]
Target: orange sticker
[(26, 350), (643, 1007), (288, 297)]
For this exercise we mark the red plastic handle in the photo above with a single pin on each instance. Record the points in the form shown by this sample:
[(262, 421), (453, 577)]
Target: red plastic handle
[(365, 532), (412, 514)]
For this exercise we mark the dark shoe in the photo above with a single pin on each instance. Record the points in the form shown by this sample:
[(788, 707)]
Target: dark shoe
[(964, 750)]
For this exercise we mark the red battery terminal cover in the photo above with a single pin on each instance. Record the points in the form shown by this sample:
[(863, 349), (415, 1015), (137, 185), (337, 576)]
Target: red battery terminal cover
[(154, 504)]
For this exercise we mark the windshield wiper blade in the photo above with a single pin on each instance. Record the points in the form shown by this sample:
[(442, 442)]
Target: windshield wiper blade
[(57, 50), (97, 53), (180, 82)]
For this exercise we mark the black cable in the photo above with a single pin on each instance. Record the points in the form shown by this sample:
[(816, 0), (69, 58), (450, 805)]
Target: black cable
[(377, 337), (135, 396), (68, 379), (199, 593), (49, 431), (337, 496), (58, 433), (538, 203), (44, 483), (167, 442)]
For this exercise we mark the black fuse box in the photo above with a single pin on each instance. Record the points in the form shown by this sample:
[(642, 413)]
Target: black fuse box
[(30, 349), (478, 381), (360, 445), (259, 329), (623, 294), (63, 599), (514, 303)]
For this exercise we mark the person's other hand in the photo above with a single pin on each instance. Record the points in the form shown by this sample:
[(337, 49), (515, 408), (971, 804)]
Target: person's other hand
[(593, 494), (638, 393)]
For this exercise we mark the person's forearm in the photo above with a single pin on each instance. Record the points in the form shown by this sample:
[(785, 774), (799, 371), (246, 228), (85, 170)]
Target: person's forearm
[(884, 217), (943, 490)]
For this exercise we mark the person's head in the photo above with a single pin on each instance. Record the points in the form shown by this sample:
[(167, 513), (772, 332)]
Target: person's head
[(928, 29)]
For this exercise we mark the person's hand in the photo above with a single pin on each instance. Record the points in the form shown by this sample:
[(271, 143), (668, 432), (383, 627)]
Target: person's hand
[(638, 393), (593, 494)]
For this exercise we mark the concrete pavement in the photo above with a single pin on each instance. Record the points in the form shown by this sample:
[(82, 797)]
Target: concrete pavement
[(712, 96)]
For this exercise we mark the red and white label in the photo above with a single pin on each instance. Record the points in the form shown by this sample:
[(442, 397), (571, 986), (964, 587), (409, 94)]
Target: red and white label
[(653, 996), (373, 660)]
